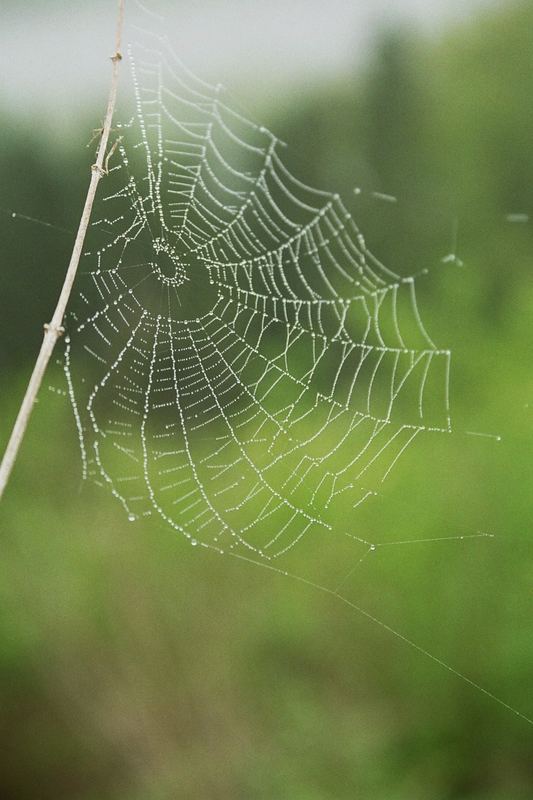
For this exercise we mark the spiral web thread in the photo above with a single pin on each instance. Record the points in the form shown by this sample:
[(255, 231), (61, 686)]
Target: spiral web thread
[(238, 361)]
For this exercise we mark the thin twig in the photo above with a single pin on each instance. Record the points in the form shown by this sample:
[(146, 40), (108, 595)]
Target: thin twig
[(54, 329)]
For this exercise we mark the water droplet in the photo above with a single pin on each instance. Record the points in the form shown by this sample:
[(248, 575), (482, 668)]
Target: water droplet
[(132, 517), (194, 542)]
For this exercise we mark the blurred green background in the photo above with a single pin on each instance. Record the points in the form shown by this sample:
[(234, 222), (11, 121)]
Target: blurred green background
[(133, 667)]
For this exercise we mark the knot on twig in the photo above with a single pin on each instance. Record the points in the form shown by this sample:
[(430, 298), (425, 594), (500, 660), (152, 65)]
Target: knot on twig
[(57, 330), (100, 170), (116, 57)]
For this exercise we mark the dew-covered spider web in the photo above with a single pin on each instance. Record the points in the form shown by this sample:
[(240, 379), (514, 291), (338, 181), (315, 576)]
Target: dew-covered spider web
[(254, 369), (240, 365)]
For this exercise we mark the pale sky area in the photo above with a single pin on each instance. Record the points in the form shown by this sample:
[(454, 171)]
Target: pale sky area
[(53, 52)]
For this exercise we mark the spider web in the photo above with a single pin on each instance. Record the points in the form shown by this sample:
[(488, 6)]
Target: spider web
[(238, 361)]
